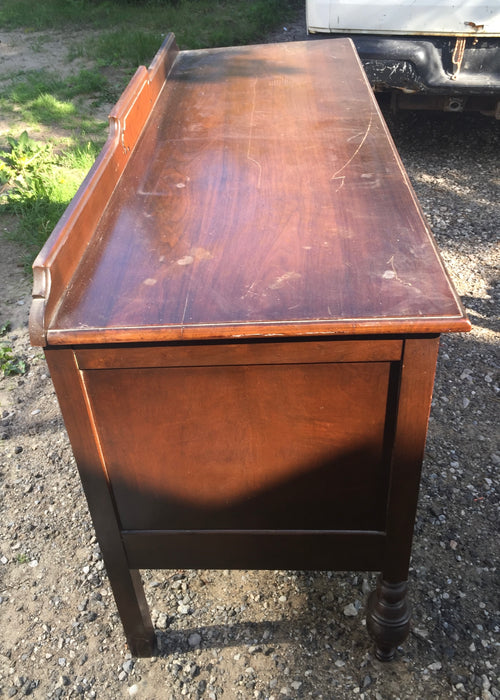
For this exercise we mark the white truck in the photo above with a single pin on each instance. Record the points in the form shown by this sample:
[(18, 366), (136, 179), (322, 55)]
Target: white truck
[(438, 54)]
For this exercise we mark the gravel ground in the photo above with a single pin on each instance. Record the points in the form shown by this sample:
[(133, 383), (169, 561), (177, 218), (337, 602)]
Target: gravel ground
[(279, 634)]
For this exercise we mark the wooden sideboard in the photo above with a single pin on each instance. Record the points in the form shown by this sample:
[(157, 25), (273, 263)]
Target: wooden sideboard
[(241, 311)]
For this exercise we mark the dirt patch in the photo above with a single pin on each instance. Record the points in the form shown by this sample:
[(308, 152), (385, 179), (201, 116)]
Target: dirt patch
[(22, 52)]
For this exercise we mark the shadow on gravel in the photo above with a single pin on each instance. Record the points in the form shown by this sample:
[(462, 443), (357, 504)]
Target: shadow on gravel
[(218, 636), (479, 310), (319, 614)]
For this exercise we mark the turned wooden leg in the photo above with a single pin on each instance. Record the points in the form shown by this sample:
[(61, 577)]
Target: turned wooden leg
[(388, 617)]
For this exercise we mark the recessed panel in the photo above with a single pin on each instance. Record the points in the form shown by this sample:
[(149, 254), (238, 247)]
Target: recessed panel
[(280, 447)]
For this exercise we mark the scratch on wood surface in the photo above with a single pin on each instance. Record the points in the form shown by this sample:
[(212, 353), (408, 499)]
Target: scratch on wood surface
[(283, 279), (250, 291), (185, 307), (354, 136), (249, 157), (259, 167), (341, 179), (392, 274), (335, 175)]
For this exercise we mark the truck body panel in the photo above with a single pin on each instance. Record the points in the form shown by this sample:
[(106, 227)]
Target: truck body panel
[(437, 54), (405, 17)]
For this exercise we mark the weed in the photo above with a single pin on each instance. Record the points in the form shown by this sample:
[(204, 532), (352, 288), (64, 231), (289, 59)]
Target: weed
[(38, 184), (21, 168), (9, 364)]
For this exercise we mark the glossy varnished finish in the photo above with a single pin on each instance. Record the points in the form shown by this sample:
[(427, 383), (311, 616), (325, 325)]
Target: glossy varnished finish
[(241, 313), (264, 197)]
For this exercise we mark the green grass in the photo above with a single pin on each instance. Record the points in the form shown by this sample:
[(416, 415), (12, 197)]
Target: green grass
[(53, 13), (43, 97), (196, 23), (30, 84), (129, 48), (38, 179)]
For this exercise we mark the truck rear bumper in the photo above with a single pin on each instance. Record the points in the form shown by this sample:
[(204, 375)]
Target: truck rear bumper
[(433, 64), (433, 72)]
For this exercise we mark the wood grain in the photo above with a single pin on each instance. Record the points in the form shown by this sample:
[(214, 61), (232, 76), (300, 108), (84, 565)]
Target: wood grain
[(263, 196), (232, 447), (253, 352)]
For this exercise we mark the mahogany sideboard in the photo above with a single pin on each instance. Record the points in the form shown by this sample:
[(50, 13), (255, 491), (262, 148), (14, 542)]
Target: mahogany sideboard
[(240, 311)]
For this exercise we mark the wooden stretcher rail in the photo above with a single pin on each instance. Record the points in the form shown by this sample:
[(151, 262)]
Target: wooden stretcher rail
[(313, 550)]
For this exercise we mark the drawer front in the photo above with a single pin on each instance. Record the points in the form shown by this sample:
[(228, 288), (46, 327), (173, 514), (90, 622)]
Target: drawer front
[(271, 446), (247, 353)]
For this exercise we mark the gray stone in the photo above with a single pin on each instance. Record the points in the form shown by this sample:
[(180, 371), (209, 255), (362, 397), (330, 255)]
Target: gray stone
[(128, 666), (194, 639), (350, 610)]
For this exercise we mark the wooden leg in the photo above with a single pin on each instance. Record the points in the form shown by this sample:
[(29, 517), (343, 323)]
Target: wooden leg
[(388, 618), (133, 609), (125, 582)]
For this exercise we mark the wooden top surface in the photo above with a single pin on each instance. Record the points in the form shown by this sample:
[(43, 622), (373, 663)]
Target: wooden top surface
[(264, 196)]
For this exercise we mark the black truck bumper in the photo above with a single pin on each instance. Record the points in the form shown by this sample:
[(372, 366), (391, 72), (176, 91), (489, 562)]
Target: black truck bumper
[(433, 71)]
